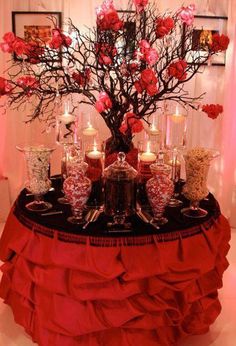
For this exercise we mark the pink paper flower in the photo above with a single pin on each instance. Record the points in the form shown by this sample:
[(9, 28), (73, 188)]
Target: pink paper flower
[(103, 102), (140, 4), (186, 14), (148, 54), (8, 40)]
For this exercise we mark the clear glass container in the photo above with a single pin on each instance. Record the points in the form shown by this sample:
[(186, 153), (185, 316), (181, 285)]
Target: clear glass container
[(38, 183), (77, 188), (159, 191), (120, 189), (197, 164)]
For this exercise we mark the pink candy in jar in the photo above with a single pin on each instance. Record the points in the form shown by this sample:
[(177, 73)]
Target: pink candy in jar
[(77, 188), (159, 191)]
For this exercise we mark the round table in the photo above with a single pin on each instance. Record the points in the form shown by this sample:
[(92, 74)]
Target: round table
[(69, 287)]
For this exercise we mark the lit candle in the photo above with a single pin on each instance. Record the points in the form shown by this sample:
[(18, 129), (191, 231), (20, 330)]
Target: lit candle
[(67, 118), (177, 117), (153, 130), (148, 156), (89, 131), (94, 154)]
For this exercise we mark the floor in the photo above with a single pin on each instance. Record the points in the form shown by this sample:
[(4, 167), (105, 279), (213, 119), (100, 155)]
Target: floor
[(223, 332)]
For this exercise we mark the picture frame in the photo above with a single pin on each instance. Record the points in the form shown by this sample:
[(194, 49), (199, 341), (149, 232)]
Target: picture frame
[(129, 32), (34, 25), (204, 28)]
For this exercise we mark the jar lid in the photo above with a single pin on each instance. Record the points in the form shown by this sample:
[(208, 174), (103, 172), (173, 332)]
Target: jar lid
[(120, 169), (160, 168)]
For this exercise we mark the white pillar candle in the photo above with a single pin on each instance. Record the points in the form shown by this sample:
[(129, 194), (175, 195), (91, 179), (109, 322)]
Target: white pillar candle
[(66, 118)]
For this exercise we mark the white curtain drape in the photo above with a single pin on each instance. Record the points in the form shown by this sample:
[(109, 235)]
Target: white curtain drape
[(218, 82)]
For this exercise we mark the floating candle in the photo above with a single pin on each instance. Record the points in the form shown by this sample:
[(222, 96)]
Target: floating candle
[(95, 154), (153, 130), (177, 117), (148, 156), (89, 131), (67, 118)]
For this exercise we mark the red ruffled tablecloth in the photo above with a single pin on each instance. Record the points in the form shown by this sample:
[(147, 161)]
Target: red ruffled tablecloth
[(72, 292)]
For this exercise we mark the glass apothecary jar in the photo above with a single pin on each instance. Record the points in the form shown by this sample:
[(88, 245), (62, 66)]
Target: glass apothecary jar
[(120, 189)]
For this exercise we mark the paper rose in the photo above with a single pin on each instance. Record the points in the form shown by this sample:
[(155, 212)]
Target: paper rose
[(186, 14), (219, 43), (178, 70), (103, 102), (148, 82), (212, 110), (164, 26), (133, 122), (140, 4), (5, 87), (107, 17)]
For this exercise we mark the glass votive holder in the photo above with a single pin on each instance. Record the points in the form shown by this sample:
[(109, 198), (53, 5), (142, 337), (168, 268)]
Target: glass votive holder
[(94, 157)]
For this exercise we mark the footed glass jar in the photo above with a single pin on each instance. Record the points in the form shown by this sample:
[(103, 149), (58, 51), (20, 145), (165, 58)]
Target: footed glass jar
[(77, 188), (159, 191), (197, 164), (38, 183), (120, 189)]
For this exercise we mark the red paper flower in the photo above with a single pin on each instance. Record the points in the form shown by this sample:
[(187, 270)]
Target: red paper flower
[(107, 17), (82, 78), (140, 4), (5, 87), (19, 46), (28, 83), (59, 39), (8, 40), (164, 26), (103, 102), (219, 43), (213, 111), (133, 122), (106, 53), (148, 82), (186, 14), (178, 70)]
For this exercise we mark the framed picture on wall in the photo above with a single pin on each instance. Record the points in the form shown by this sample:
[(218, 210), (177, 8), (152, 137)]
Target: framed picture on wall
[(204, 28), (35, 26)]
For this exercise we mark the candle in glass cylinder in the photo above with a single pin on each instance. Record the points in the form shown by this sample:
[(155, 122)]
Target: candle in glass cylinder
[(177, 117), (89, 131), (148, 156), (153, 130), (66, 118)]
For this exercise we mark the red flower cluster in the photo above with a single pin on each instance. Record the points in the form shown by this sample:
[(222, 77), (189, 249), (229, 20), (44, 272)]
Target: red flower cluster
[(164, 26), (82, 78), (148, 82), (140, 4), (59, 39), (107, 17), (178, 70), (14, 44), (28, 83), (103, 103), (105, 53), (131, 121), (149, 54), (212, 110), (219, 43), (5, 87)]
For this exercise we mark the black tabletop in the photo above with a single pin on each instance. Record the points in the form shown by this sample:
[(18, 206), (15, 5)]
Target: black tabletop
[(176, 220)]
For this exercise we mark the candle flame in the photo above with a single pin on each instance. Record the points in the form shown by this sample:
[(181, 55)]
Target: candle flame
[(148, 147)]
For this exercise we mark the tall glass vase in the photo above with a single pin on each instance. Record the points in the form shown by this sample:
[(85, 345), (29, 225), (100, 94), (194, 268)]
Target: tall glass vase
[(197, 164), (38, 182), (175, 141)]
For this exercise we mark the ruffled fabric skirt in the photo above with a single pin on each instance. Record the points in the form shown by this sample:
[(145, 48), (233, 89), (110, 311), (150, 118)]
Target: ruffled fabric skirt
[(66, 293)]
